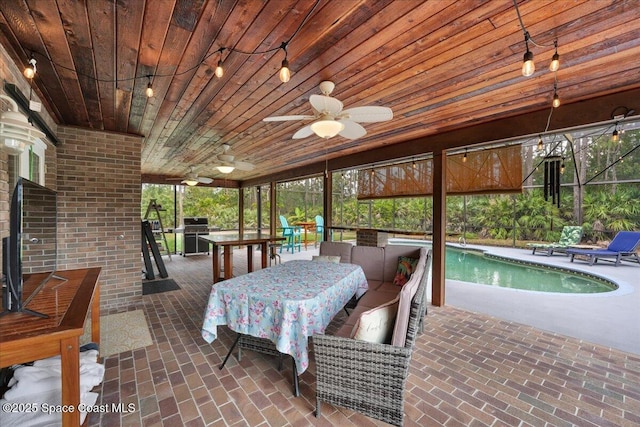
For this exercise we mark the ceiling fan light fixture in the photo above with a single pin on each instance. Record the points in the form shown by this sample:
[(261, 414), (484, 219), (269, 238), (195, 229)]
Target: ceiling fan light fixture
[(225, 169), (327, 128), (190, 182)]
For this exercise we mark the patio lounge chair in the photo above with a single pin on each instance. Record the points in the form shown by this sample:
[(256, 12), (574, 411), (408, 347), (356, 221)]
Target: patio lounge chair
[(623, 246), (292, 234), (571, 235)]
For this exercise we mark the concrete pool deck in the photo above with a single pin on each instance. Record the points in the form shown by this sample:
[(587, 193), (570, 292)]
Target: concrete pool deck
[(610, 319)]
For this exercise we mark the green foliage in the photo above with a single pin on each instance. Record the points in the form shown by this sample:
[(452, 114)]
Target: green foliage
[(610, 202)]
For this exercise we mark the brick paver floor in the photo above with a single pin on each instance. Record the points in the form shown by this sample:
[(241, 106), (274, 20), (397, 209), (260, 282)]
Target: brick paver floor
[(467, 370)]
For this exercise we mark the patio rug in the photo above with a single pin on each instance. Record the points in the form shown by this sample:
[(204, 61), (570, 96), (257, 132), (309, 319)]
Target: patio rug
[(124, 331), (157, 286)]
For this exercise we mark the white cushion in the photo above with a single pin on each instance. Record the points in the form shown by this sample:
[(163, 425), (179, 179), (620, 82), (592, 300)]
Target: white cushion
[(326, 258), (376, 325)]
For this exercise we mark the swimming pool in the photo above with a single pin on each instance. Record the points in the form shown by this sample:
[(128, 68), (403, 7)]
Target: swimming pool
[(474, 266)]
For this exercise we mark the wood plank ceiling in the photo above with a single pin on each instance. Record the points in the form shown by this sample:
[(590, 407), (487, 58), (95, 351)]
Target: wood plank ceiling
[(439, 65)]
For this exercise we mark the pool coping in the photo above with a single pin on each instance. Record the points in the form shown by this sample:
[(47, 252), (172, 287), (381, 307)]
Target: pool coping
[(621, 288)]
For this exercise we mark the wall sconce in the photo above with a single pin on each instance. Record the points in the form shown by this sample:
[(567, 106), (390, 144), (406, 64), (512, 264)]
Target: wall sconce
[(15, 130)]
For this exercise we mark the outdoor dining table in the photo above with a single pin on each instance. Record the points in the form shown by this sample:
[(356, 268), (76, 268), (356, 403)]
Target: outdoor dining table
[(218, 241), (306, 226), (284, 305)]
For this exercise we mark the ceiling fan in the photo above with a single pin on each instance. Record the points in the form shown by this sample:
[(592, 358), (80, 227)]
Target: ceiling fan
[(329, 119), (192, 178), (228, 163)]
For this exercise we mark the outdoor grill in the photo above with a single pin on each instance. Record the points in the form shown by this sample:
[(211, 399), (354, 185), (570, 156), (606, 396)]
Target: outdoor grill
[(194, 227)]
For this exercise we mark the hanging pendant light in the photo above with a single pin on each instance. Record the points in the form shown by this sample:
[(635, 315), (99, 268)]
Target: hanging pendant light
[(30, 71), (615, 136), (219, 71), (556, 98), (555, 59), (149, 90), (285, 73), (528, 67)]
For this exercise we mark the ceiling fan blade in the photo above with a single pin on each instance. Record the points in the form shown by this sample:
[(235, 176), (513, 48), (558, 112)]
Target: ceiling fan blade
[(325, 104), (244, 166), (286, 118), (303, 132), (368, 114), (205, 180), (352, 130)]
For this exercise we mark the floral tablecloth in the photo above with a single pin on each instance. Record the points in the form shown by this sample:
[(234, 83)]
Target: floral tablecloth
[(286, 303)]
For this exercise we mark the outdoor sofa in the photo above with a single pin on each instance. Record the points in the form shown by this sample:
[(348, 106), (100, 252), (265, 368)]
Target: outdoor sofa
[(370, 377)]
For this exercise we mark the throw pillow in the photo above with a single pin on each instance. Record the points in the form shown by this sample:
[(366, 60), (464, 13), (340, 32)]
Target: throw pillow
[(376, 325), (406, 267), (326, 258)]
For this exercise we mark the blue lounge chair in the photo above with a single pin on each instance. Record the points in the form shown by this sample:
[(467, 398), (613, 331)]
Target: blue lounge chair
[(571, 235), (623, 246)]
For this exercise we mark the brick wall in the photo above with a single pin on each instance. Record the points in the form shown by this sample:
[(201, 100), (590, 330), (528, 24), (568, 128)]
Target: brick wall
[(97, 177), (366, 237), (99, 192)]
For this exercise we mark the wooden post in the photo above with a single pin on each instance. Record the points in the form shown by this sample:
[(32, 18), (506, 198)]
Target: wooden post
[(272, 208), (327, 204), (439, 227)]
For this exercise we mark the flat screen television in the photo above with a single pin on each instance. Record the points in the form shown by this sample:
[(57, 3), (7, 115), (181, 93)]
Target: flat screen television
[(29, 254)]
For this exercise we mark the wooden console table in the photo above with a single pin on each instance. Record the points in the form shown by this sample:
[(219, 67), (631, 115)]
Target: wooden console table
[(25, 338)]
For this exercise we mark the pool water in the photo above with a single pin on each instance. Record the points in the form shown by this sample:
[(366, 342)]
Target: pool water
[(474, 267)]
